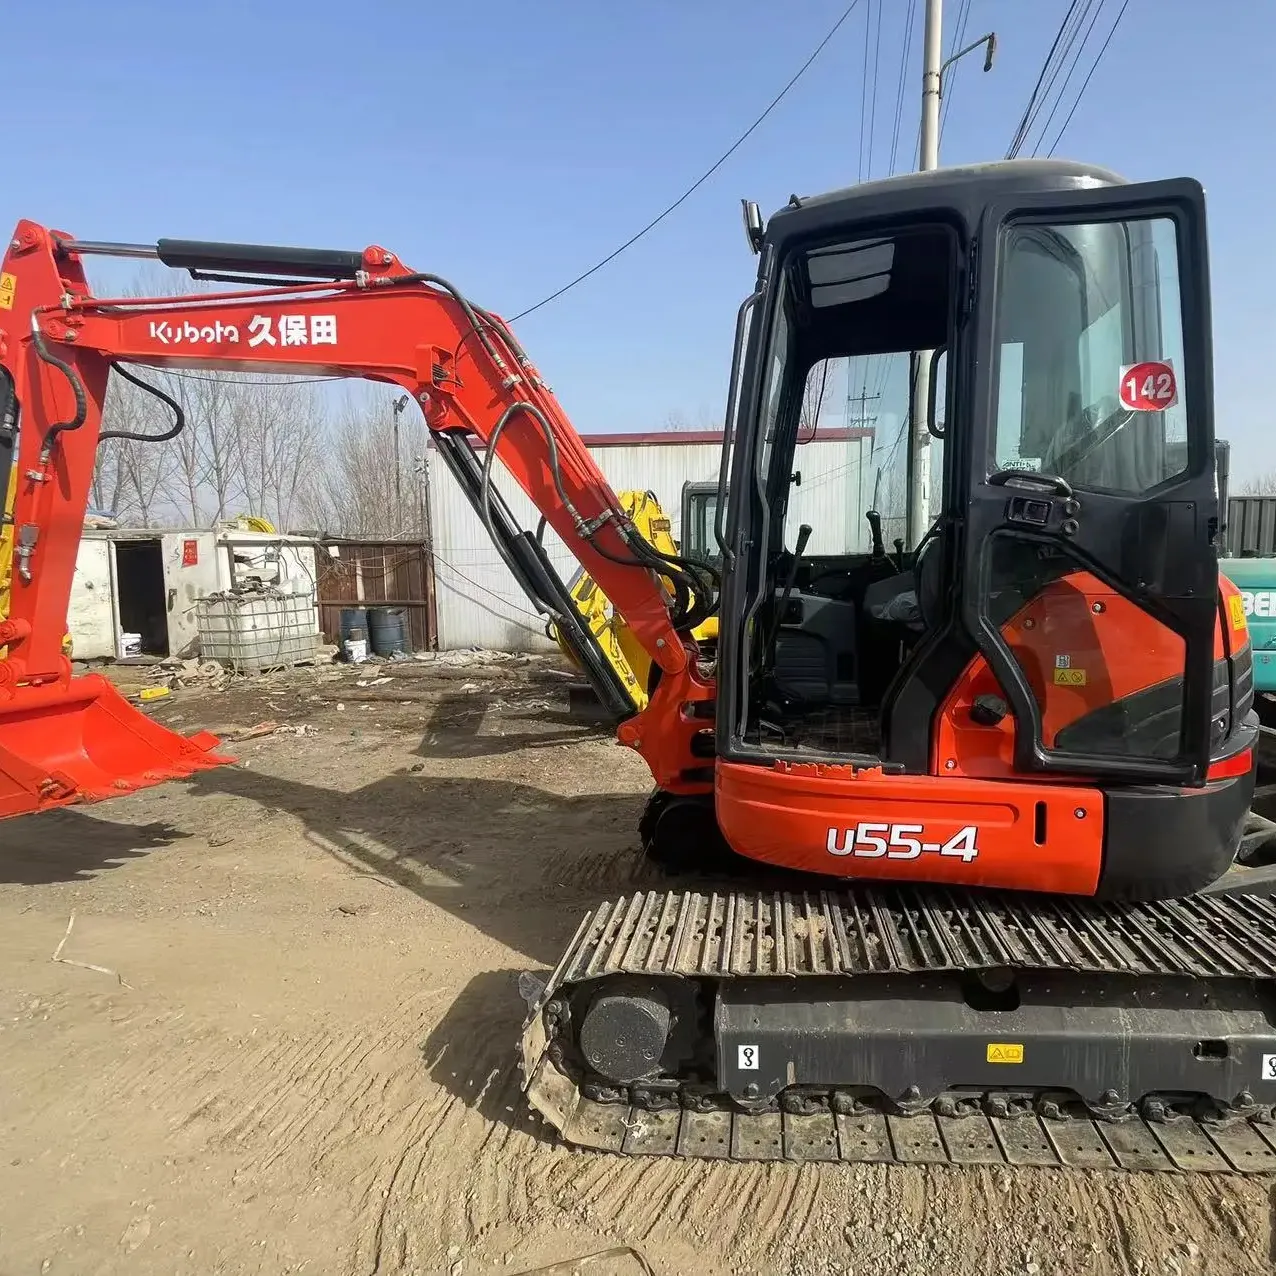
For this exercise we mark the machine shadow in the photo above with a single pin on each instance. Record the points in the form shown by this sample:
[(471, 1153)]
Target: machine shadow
[(460, 726), (519, 864), (472, 1053), (70, 846)]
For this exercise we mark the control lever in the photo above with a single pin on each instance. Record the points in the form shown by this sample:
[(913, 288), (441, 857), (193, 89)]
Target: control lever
[(899, 553), (803, 537), (875, 529)]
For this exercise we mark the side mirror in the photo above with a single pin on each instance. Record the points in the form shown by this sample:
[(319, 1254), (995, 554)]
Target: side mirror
[(796, 478), (938, 373), (753, 227)]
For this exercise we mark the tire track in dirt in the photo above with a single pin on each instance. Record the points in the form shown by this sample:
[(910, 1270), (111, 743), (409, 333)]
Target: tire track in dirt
[(396, 1127), (427, 1162)]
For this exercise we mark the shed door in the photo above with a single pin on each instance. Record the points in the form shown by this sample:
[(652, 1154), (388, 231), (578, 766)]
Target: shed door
[(90, 613), (190, 573)]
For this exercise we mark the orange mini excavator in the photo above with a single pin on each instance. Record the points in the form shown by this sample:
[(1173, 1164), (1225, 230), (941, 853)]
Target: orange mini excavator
[(1013, 759)]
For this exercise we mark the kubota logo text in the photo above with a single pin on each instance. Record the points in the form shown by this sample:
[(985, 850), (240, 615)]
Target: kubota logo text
[(263, 330)]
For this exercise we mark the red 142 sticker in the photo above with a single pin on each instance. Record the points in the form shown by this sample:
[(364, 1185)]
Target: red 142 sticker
[(1149, 386)]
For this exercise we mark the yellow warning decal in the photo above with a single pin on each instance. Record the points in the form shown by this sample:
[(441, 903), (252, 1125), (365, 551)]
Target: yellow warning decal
[(1236, 611), (1069, 677), (8, 286), (1005, 1052)]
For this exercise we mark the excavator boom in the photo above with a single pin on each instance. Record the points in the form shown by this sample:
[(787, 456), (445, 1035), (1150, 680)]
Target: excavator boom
[(321, 313)]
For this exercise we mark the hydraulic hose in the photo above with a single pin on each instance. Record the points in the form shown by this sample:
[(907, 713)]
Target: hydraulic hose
[(692, 581), (179, 417), (77, 386)]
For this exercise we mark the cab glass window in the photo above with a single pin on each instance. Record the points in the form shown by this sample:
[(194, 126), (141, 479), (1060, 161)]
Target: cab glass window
[(1090, 354)]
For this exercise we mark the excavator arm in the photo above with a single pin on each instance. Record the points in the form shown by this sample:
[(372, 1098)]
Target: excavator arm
[(319, 313)]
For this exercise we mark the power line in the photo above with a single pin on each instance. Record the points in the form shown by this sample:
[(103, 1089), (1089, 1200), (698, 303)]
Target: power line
[(872, 117), (1021, 132), (868, 24), (491, 593), (880, 371), (1085, 83), (909, 17), (1070, 38), (1067, 79), (704, 177), (959, 34)]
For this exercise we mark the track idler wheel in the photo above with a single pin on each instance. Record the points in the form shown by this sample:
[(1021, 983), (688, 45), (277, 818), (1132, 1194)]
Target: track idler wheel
[(625, 1031)]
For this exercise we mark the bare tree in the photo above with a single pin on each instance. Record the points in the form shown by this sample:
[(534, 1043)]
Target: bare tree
[(142, 468), (814, 397), (1257, 485), (206, 471), (107, 489), (352, 493), (704, 422), (280, 436), (130, 473)]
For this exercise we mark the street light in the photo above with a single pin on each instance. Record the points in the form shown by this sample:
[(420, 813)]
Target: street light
[(989, 40), (399, 404)]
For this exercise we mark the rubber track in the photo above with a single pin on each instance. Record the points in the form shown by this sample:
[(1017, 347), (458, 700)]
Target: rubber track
[(883, 930), (875, 930)]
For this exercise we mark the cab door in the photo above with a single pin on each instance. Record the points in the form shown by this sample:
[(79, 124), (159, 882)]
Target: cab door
[(1090, 566)]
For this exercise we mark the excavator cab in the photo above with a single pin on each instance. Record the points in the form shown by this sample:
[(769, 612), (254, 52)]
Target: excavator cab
[(1052, 609), (1045, 692), (699, 517)]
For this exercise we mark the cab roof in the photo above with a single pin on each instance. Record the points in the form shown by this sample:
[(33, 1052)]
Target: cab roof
[(965, 188)]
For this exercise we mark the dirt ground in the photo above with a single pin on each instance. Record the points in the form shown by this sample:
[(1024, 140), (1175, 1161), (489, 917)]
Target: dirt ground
[(304, 1059)]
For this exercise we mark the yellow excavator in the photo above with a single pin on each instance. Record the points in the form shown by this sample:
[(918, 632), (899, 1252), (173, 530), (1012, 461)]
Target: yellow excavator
[(623, 651)]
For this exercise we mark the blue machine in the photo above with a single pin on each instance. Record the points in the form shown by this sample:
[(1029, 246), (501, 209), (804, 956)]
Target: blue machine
[(1256, 579)]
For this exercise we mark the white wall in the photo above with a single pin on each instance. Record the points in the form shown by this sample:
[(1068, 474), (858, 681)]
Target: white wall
[(478, 603), (185, 583)]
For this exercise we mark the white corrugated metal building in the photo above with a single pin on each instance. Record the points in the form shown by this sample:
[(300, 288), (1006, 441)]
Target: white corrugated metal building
[(478, 603)]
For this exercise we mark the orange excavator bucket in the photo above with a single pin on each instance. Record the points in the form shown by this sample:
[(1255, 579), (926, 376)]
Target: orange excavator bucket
[(77, 739), (82, 741)]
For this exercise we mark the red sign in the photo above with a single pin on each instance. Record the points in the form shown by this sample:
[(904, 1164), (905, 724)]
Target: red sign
[(1149, 387), (190, 553)]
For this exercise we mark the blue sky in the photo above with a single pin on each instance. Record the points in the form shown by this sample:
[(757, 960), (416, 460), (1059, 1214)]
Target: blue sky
[(510, 144)]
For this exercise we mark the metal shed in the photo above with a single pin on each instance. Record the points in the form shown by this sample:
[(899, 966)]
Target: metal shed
[(479, 605), (148, 580), (369, 573)]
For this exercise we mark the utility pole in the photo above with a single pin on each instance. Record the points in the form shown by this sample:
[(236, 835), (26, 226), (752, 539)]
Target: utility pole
[(399, 404), (933, 67), (919, 370), (861, 419)]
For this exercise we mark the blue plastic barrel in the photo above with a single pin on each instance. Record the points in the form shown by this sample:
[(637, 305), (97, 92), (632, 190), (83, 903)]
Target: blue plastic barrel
[(388, 630), (354, 628)]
